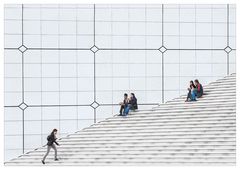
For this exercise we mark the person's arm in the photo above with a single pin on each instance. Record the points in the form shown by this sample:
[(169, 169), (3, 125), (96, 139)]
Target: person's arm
[(56, 142), (198, 88)]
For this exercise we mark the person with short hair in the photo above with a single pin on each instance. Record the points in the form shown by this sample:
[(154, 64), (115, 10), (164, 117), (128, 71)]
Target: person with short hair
[(50, 144)]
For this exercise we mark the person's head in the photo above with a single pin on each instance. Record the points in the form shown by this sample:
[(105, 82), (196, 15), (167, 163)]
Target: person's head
[(125, 95), (54, 132), (132, 95), (196, 82), (191, 83)]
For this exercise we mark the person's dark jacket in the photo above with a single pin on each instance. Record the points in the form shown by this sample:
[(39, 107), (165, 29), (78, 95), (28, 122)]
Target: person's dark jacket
[(133, 102), (51, 139), (199, 90)]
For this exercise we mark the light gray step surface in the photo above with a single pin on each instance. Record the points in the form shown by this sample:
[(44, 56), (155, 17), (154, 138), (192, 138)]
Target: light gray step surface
[(133, 156), (174, 115), (163, 126), (169, 118), (104, 130), (171, 128), (208, 97), (202, 102), (168, 121), (137, 147), (141, 159), (174, 133), (226, 108)]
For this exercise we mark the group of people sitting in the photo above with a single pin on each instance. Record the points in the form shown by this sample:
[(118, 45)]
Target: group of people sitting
[(128, 104), (195, 90)]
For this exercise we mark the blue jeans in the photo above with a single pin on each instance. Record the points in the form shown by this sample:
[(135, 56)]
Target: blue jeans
[(193, 95), (126, 110)]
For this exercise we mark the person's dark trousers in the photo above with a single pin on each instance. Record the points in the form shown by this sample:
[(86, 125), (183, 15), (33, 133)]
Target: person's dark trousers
[(189, 95), (121, 109), (199, 94)]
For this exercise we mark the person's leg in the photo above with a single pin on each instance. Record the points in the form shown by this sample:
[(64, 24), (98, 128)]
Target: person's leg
[(130, 107), (188, 95), (48, 150), (126, 110), (55, 152), (193, 96), (199, 95), (121, 110)]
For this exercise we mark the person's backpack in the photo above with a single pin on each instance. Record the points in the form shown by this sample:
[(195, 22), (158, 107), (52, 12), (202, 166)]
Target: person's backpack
[(48, 138)]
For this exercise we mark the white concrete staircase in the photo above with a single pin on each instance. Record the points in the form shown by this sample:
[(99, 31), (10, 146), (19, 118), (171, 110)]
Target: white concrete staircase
[(174, 133)]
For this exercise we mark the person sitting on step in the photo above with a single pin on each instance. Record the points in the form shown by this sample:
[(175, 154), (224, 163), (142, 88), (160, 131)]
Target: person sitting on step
[(190, 90), (124, 104), (197, 92), (199, 88), (132, 104)]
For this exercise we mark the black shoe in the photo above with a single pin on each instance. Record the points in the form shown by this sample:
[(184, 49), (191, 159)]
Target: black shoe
[(56, 159), (120, 115), (43, 162)]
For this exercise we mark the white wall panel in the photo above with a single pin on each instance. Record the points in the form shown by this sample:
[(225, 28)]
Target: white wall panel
[(78, 60)]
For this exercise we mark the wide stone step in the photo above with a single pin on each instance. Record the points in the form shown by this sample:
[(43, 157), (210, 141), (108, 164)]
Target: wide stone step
[(132, 132), (143, 122), (166, 121), (67, 155), (160, 113), (137, 131), (227, 108), (133, 148), (138, 146), (172, 163), (202, 102), (141, 159), (197, 105), (168, 125), (108, 130), (133, 115), (132, 156), (208, 97)]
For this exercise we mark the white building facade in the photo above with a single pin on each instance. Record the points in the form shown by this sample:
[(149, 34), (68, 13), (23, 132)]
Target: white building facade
[(68, 66)]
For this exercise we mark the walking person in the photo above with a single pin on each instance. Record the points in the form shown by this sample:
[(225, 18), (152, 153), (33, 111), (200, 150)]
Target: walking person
[(51, 144), (190, 90)]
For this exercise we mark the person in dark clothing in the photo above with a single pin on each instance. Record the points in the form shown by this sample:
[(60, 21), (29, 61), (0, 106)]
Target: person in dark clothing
[(133, 102), (199, 89), (51, 144), (132, 105), (190, 89), (123, 104)]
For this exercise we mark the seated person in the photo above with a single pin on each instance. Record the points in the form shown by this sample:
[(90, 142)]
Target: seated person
[(199, 89), (132, 104), (123, 104), (190, 90)]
